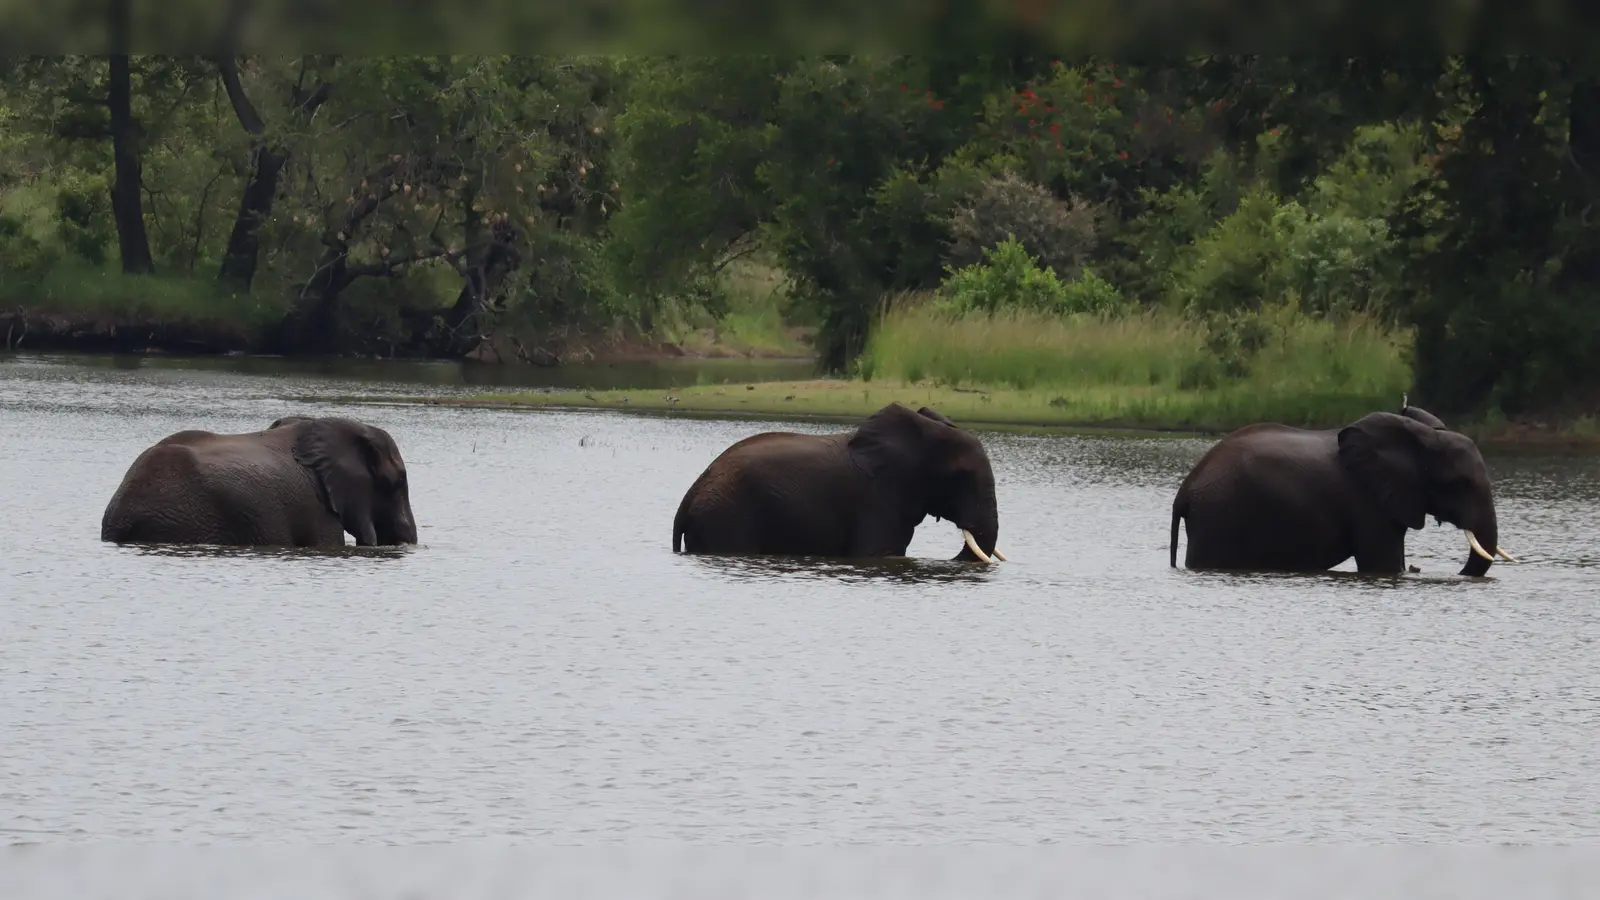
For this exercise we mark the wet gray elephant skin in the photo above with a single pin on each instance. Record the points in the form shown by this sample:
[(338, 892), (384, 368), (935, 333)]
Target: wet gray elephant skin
[(302, 482), (1272, 497), (853, 494)]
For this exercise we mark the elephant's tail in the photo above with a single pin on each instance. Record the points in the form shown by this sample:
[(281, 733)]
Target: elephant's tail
[(1180, 509), (677, 531)]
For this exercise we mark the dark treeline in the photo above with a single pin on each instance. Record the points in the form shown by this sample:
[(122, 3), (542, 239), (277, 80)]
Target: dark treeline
[(415, 205)]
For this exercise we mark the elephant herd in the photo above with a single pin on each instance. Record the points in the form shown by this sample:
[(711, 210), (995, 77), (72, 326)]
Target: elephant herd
[(1266, 497)]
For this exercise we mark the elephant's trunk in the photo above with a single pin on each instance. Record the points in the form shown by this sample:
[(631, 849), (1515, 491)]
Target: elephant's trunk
[(983, 528), (1483, 542)]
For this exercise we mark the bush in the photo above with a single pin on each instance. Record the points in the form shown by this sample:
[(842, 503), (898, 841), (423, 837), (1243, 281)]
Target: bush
[(1009, 278), (23, 258), (1060, 235), (84, 212), (1336, 264), (1236, 264)]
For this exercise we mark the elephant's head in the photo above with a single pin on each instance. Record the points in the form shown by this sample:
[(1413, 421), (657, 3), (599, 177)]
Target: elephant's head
[(1414, 467), (362, 476), (931, 466)]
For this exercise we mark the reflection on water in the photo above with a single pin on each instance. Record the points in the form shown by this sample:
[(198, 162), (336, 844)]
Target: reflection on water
[(542, 665), (904, 570), (285, 554)]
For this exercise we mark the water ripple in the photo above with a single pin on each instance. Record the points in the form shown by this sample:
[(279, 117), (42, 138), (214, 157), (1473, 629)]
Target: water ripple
[(543, 666)]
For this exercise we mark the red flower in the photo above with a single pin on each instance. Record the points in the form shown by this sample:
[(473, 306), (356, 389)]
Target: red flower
[(1056, 127), (1089, 97), (1122, 154), (1117, 83), (1049, 108), (1217, 106), (902, 87)]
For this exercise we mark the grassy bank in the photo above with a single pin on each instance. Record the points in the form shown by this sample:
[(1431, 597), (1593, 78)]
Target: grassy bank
[(847, 401), (1156, 366), (1144, 372), (1153, 373), (80, 308)]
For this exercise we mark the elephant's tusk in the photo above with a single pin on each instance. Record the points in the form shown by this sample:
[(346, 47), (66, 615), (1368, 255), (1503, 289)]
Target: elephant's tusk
[(1477, 547), (1000, 556), (973, 546), (1504, 555)]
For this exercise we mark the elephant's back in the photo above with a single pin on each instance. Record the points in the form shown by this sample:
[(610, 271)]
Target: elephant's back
[(1265, 463), (158, 479)]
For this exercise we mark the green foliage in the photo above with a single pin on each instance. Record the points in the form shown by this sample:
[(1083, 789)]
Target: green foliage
[(1301, 369), (105, 294), (85, 226), (1009, 278), (1059, 234), (27, 259), (1451, 199)]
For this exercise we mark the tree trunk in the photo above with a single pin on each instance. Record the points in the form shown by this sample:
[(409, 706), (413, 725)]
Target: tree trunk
[(255, 207), (126, 204), (266, 164), (490, 256)]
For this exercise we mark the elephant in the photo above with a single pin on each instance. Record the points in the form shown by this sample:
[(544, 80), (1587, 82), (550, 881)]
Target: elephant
[(1275, 497), (302, 482), (852, 494)]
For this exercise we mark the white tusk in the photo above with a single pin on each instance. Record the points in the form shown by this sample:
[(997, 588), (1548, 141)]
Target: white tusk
[(1477, 547), (1000, 556), (973, 546), (1498, 552)]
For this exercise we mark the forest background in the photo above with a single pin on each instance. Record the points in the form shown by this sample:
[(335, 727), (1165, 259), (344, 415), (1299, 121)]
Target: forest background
[(1189, 240)]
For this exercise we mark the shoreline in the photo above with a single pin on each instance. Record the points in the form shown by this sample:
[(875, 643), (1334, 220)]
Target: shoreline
[(1006, 410), (24, 330)]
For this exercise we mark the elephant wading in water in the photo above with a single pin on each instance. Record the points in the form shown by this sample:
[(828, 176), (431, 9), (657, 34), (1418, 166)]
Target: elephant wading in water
[(1277, 498), (303, 482), (859, 494)]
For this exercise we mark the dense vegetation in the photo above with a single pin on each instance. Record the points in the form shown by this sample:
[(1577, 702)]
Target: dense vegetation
[(1233, 224)]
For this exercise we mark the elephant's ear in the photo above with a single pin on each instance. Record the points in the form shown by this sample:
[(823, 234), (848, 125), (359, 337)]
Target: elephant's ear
[(288, 420), (343, 458), (889, 441), (1382, 451)]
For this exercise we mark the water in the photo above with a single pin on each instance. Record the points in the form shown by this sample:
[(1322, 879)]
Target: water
[(544, 666)]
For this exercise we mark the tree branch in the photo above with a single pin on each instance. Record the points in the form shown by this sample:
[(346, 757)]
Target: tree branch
[(228, 69)]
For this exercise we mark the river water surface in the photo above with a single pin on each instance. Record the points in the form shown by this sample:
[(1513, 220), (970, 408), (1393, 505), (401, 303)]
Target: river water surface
[(542, 665)]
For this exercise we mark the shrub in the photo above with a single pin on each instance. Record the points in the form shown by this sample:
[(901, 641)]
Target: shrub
[(1060, 235), (1234, 266), (86, 226), (1009, 278)]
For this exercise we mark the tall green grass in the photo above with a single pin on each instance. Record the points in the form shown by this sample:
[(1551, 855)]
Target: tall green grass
[(78, 290), (1150, 367)]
